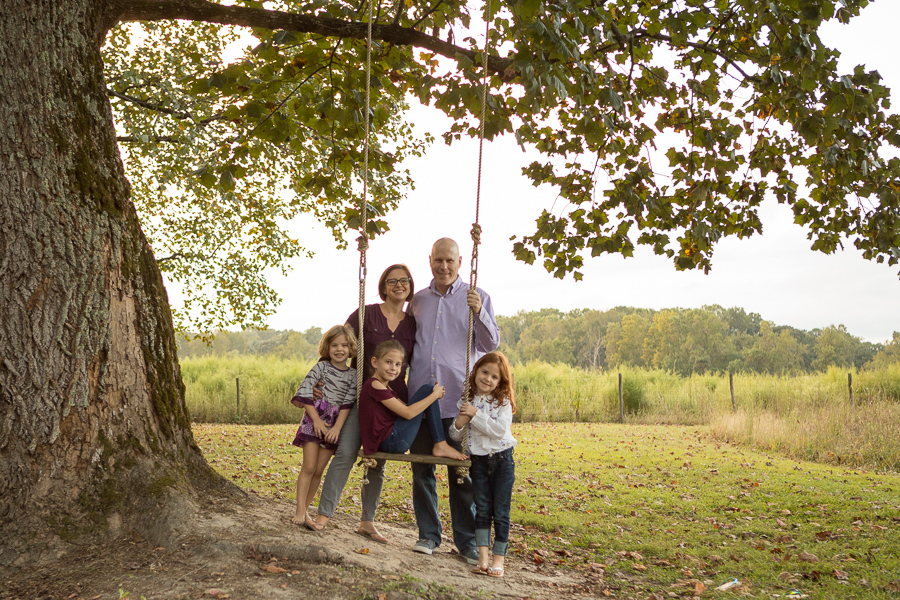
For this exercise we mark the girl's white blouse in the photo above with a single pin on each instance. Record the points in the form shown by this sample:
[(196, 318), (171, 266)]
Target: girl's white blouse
[(489, 429)]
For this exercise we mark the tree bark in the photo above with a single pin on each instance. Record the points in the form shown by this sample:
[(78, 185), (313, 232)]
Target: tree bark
[(94, 432)]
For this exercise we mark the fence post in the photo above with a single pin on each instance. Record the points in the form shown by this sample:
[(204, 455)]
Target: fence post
[(237, 383), (621, 401), (850, 385), (731, 385)]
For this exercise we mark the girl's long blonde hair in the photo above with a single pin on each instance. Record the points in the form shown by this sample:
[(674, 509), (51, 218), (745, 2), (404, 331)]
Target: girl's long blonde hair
[(505, 390)]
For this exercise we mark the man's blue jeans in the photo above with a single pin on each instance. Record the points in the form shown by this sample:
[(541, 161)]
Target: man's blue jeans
[(425, 502), (493, 477)]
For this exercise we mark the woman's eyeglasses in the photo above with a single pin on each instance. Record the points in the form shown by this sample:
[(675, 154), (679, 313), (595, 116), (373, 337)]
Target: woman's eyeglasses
[(404, 281)]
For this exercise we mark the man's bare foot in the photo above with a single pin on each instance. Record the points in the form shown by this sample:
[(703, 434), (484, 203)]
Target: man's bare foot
[(447, 451)]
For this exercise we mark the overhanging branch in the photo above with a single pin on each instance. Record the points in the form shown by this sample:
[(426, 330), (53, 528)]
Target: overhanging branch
[(210, 12)]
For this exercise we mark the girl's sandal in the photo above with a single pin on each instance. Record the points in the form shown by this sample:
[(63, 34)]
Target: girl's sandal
[(495, 571), (481, 570)]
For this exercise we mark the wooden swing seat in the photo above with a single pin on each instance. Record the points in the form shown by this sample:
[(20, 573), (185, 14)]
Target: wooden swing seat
[(417, 458)]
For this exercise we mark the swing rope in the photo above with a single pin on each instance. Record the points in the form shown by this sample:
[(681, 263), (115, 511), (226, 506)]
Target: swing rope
[(364, 235), (463, 472)]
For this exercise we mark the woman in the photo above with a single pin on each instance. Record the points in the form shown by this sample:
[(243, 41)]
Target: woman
[(385, 321)]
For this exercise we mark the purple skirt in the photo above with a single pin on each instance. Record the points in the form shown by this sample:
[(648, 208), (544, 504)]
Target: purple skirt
[(307, 433)]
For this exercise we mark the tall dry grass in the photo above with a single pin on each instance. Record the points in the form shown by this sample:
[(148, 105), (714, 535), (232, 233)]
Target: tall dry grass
[(805, 416), (812, 417), (266, 383)]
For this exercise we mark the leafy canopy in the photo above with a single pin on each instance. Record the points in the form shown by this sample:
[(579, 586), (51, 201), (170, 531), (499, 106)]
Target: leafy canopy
[(662, 123)]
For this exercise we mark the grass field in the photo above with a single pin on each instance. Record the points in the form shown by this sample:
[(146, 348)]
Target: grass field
[(806, 416), (668, 510)]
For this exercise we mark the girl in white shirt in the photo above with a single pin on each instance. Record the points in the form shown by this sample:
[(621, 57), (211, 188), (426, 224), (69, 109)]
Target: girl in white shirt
[(489, 415)]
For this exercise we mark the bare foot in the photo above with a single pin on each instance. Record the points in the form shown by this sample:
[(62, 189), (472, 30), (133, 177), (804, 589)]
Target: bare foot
[(447, 451), (310, 524), (321, 521)]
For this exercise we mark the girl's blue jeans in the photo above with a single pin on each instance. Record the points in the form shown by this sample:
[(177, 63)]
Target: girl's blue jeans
[(492, 483), (405, 430)]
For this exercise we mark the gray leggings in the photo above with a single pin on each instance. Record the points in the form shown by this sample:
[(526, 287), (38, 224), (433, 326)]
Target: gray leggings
[(339, 470)]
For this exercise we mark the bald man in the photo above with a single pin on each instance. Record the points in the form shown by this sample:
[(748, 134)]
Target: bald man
[(442, 321)]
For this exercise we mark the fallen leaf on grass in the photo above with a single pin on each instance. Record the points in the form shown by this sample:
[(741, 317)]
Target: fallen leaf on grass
[(784, 539), (638, 567), (807, 557), (361, 550), (274, 569), (840, 575)]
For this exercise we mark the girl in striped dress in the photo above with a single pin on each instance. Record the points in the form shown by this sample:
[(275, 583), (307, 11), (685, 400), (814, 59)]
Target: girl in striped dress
[(321, 426)]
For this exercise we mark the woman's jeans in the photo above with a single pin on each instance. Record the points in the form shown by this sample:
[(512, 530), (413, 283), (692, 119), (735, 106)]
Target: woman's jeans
[(339, 470), (492, 483), (405, 430)]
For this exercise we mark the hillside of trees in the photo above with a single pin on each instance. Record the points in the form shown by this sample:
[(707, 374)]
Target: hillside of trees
[(682, 341)]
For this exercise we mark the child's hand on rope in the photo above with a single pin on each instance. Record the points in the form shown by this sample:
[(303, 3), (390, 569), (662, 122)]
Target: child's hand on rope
[(468, 410)]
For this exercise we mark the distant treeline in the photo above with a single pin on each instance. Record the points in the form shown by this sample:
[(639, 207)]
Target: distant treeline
[(682, 341)]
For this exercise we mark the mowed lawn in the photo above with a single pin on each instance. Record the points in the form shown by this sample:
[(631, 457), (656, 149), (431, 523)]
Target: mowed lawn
[(643, 510)]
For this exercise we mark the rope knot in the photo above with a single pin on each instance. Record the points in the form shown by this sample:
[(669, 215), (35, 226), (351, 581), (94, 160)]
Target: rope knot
[(476, 233), (363, 243)]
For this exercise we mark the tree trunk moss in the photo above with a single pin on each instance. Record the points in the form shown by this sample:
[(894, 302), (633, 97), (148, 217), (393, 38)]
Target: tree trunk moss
[(94, 431)]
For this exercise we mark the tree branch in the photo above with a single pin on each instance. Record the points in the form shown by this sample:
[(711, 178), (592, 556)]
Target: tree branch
[(131, 139), (160, 108), (699, 46), (209, 12)]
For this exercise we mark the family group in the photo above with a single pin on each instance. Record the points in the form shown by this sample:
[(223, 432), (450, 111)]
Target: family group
[(423, 335)]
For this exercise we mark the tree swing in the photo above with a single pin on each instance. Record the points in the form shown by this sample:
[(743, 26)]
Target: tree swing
[(369, 461)]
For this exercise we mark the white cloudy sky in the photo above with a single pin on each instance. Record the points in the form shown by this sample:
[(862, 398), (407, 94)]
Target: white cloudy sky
[(775, 275)]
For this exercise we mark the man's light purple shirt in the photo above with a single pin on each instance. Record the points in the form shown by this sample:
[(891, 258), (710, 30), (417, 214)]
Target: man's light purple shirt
[(442, 324)]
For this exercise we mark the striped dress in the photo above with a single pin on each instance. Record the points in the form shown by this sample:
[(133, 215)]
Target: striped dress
[(339, 392)]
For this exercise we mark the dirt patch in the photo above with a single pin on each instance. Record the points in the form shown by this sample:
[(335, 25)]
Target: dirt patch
[(249, 549)]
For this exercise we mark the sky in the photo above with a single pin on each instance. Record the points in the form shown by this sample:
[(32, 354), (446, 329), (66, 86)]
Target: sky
[(775, 274)]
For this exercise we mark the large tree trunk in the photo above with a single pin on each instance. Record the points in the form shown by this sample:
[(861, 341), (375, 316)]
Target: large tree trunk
[(94, 433)]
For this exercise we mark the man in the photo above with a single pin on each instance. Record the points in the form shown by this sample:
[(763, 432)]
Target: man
[(442, 320)]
